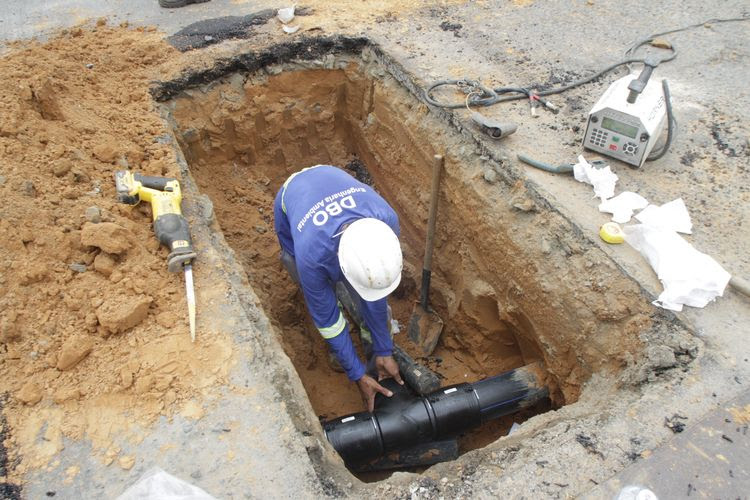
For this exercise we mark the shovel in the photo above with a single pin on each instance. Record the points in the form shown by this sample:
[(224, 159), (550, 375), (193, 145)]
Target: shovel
[(425, 326)]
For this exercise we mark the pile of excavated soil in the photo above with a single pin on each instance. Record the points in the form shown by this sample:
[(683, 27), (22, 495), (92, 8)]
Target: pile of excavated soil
[(93, 332)]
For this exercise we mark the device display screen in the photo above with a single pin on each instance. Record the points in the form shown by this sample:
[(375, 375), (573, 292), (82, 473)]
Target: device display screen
[(619, 127)]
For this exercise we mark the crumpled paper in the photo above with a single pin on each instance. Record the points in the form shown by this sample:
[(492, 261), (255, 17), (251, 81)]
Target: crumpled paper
[(285, 15), (155, 484), (673, 216), (623, 205), (602, 179), (689, 277)]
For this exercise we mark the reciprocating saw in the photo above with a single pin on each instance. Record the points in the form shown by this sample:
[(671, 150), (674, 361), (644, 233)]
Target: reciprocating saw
[(170, 226)]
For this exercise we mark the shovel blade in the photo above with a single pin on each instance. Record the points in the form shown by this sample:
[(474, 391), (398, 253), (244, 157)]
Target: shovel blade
[(425, 328)]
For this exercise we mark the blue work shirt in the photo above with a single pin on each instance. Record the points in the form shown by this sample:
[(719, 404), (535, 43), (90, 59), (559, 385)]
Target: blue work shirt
[(309, 211)]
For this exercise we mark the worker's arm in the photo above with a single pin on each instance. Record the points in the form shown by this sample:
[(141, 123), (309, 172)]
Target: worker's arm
[(323, 307), (375, 316), (281, 226), (376, 319)]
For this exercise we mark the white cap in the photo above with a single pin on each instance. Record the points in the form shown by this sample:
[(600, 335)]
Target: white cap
[(370, 258)]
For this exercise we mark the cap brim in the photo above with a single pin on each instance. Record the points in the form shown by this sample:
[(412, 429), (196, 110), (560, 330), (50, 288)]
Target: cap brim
[(373, 294)]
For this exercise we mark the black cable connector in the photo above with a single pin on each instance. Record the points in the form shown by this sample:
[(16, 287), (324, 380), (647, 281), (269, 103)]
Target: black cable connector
[(637, 86), (547, 104)]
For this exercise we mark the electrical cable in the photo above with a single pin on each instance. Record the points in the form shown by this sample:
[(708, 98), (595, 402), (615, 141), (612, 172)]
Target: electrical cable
[(488, 97), (671, 125), (649, 39), (468, 96)]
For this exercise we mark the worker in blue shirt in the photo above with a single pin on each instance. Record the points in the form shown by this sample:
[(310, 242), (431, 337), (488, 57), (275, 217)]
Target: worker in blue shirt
[(336, 232)]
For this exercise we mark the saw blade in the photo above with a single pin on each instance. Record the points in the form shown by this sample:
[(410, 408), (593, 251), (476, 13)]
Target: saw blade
[(190, 299)]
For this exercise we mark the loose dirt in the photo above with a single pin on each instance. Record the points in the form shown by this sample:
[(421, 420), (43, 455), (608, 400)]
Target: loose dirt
[(93, 334)]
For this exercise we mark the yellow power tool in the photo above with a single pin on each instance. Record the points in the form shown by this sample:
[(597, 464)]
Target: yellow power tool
[(170, 225)]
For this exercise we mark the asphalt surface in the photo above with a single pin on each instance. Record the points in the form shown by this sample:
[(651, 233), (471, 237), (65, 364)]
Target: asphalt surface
[(708, 459)]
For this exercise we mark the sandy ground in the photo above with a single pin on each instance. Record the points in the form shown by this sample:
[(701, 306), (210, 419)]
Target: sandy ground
[(95, 351), (87, 322)]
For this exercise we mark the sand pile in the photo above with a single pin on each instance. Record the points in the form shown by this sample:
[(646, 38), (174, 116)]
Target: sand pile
[(93, 330)]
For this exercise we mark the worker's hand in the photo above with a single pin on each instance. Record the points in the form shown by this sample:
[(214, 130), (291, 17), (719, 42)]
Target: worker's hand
[(387, 367), (368, 387)]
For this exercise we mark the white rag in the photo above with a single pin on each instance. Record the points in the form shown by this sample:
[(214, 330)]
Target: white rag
[(673, 216), (689, 277), (286, 15), (603, 179), (156, 484), (623, 205)]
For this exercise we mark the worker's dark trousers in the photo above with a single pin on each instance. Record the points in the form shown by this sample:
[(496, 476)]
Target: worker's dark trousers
[(349, 299)]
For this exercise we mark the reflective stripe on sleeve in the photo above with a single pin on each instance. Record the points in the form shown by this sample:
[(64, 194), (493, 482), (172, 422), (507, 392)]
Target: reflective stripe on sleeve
[(286, 183), (365, 334), (331, 331)]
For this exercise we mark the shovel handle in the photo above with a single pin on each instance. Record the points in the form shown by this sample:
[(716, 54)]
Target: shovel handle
[(437, 170)]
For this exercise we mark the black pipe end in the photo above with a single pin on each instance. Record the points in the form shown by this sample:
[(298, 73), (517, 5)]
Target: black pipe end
[(508, 393), (356, 437)]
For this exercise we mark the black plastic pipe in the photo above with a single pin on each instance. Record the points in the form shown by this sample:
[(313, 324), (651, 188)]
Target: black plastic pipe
[(405, 419)]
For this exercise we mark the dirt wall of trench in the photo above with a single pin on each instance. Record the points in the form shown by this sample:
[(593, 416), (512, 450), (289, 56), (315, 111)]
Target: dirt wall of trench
[(513, 280), (500, 245), (242, 140)]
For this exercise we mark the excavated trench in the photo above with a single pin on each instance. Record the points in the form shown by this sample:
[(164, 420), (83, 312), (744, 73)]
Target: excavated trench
[(513, 280)]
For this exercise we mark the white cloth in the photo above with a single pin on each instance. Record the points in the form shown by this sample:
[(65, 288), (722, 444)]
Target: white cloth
[(689, 277), (673, 216), (602, 179), (155, 484), (285, 15), (623, 205)]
